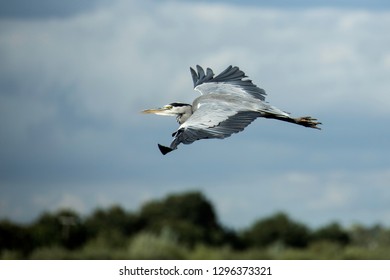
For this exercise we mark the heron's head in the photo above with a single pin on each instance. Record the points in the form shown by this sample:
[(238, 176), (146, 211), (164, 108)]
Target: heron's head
[(181, 111), (173, 109)]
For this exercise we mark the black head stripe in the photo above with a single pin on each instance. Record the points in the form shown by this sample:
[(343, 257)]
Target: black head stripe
[(179, 104)]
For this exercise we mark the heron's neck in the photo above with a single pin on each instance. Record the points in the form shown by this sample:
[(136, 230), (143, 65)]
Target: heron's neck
[(185, 113)]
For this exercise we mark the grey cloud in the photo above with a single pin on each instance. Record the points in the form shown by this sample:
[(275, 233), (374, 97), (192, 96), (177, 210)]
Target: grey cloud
[(45, 8)]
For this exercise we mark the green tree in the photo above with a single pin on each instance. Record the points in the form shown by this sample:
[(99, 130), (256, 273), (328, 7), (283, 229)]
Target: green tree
[(63, 228), (369, 237), (277, 229), (189, 216), (15, 237), (113, 218), (112, 227), (333, 233)]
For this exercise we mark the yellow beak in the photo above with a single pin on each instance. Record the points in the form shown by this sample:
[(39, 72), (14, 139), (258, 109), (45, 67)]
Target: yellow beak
[(153, 111)]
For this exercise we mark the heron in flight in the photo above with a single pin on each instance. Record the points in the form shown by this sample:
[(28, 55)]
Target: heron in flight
[(227, 104)]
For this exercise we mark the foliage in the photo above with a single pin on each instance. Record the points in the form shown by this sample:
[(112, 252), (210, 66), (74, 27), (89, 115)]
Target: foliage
[(63, 228), (183, 226), (147, 246), (190, 217), (114, 219), (14, 238), (333, 233), (277, 230)]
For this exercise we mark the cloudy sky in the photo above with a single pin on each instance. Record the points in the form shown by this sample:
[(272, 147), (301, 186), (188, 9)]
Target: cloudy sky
[(74, 77)]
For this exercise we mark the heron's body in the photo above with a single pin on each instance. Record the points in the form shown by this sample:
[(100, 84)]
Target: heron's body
[(227, 104)]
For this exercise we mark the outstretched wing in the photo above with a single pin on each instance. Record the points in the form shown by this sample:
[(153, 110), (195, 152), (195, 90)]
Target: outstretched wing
[(212, 120), (230, 81)]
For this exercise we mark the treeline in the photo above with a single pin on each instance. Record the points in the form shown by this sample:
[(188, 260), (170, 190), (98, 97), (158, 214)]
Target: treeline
[(183, 226)]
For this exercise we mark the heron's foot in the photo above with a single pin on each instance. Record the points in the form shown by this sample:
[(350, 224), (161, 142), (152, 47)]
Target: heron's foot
[(164, 150), (308, 122)]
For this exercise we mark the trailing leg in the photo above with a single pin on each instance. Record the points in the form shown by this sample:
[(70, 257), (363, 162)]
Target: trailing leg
[(304, 121)]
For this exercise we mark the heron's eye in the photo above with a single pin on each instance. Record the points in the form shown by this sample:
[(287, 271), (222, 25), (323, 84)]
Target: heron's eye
[(168, 107)]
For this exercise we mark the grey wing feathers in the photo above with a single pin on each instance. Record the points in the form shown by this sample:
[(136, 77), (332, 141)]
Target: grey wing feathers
[(231, 124), (231, 75), (234, 123), (201, 77)]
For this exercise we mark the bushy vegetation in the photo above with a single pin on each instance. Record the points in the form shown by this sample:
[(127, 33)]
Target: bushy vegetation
[(183, 226)]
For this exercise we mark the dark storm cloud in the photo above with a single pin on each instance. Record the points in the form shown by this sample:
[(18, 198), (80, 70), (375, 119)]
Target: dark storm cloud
[(49, 8), (45, 8)]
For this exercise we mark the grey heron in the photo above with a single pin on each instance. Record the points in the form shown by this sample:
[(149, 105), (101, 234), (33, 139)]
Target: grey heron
[(227, 104)]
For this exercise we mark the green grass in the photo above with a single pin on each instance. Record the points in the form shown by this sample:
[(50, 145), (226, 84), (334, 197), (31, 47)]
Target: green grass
[(149, 246)]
